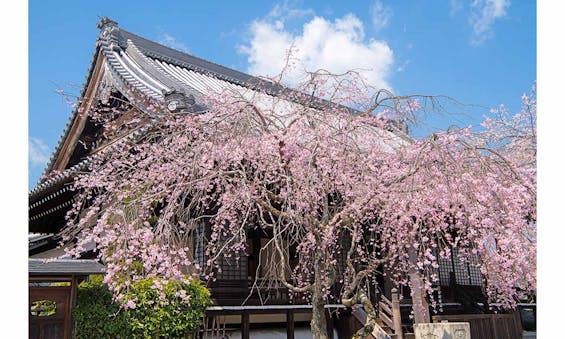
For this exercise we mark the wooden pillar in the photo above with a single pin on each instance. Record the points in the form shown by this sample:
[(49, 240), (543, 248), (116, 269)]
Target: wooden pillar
[(245, 325), (290, 324), (396, 315), (72, 304), (452, 285)]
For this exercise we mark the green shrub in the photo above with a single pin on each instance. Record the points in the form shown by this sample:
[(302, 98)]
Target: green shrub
[(150, 319), (96, 316)]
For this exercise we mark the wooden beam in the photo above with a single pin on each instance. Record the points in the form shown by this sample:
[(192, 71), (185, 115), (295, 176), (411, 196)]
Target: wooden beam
[(79, 122), (48, 278)]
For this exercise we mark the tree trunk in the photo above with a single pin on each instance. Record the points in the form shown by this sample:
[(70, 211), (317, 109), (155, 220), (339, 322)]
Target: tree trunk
[(318, 324), (419, 303)]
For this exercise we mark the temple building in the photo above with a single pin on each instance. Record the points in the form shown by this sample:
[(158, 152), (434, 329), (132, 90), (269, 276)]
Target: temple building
[(129, 74)]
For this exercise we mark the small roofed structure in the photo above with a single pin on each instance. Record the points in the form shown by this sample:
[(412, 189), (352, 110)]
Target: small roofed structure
[(64, 267), (52, 294)]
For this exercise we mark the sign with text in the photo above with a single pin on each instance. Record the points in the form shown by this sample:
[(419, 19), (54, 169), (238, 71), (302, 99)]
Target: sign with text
[(445, 330)]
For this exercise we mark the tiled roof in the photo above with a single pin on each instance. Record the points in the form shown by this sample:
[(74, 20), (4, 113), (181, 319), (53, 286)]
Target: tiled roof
[(34, 237), (64, 267), (143, 68), (41, 241)]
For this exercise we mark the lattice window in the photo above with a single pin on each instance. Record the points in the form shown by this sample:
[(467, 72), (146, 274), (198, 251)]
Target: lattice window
[(200, 244), (233, 269), (445, 268), (230, 267), (466, 273), (475, 275)]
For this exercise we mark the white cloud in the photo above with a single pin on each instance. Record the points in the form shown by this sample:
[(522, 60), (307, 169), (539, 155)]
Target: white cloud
[(380, 15), (286, 11), (337, 46), (170, 41), (483, 15), (38, 152)]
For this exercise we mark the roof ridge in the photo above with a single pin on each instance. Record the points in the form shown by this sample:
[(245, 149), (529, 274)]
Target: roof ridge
[(156, 50)]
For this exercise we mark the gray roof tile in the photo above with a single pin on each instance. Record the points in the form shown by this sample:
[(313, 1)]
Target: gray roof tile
[(64, 267)]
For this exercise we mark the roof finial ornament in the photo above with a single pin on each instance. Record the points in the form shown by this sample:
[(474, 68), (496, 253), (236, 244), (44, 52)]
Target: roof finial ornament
[(106, 22), (108, 32)]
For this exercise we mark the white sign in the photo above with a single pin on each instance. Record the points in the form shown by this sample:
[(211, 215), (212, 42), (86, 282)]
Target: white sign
[(442, 331)]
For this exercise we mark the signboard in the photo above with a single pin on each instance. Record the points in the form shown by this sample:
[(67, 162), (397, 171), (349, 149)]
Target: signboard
[(442, 331)]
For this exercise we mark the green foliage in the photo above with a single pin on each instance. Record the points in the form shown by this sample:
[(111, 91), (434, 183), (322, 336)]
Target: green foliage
[(169, 317), (97, 316)]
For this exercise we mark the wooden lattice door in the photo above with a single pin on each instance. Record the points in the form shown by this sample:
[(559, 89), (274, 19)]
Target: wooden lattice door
[(49, 308)]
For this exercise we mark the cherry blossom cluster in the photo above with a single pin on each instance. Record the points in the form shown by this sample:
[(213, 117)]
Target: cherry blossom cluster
[(339, 185)]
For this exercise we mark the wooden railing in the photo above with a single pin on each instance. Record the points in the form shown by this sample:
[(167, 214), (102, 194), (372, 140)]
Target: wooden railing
[(378, 332), (389, 313), (213, 327), (385, 311)]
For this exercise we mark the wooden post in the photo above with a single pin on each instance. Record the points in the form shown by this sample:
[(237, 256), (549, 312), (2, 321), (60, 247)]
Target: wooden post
[(290, 324), (245, 325), (396, 315), (72, 304), (452, 284)]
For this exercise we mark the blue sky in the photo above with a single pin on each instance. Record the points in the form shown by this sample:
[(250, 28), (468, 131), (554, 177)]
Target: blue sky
[(478, 52)]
